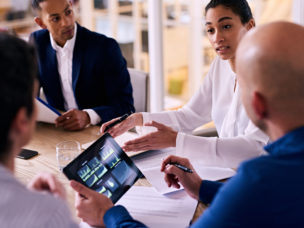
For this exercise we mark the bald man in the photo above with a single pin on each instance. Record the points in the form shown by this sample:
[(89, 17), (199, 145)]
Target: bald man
[(267, 191)]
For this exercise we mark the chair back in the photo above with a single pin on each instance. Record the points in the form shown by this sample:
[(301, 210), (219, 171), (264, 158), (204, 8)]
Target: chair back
[(139, 80)]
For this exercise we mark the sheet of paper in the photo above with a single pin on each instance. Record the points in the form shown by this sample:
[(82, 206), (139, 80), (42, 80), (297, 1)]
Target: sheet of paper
[(213, 173), (84, 225), (121, 141), (156, 178), (44, 113), (149, 164), (152, 159), (157, 210)]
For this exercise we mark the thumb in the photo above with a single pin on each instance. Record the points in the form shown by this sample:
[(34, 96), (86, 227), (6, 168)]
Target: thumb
[(81, 189)]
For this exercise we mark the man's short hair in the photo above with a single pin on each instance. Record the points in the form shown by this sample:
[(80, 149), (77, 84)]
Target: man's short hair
[(36, 4), (18, 66)]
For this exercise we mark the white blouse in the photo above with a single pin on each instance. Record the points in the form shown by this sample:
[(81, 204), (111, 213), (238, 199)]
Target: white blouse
[(239, 139)]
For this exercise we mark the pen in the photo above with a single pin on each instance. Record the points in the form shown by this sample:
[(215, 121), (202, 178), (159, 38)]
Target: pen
[(184, 168), (122, 118)]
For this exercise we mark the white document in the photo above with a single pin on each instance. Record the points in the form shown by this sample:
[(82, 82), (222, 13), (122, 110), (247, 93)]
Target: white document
[(84, 225), (156, 177), (150, 163), (152, 159), (159, 211), (127, 136), (45, 114), (213, 173), (156, 210)]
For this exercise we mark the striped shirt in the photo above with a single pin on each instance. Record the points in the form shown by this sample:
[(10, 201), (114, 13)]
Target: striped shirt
[(20, 207)]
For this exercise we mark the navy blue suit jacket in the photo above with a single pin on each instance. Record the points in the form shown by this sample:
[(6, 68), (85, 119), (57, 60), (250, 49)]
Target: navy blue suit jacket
[(100, 78)]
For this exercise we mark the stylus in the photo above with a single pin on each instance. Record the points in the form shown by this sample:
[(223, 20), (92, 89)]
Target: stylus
[(122, 118)]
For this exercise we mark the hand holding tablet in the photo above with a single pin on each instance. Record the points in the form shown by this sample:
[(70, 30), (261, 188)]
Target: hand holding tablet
[(105, 168)]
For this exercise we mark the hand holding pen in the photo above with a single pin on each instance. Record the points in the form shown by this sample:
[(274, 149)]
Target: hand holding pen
[(117, 121), (184, 168), (179, 171), (121, 124)]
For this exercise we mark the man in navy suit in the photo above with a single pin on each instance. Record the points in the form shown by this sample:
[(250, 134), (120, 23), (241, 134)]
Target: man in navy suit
[(80, 71)]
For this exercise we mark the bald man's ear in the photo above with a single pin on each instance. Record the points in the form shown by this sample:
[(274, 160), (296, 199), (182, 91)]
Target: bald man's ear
[(39, 22), (250, 24), (259, 106)]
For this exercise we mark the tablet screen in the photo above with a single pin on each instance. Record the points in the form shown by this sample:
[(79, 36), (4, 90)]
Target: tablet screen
[(105, 168)]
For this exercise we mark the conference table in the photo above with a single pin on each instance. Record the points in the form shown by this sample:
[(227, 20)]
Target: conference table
[(44, 140)]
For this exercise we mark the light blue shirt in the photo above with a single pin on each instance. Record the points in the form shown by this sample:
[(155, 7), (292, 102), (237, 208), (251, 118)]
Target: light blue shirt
[(20, 207)]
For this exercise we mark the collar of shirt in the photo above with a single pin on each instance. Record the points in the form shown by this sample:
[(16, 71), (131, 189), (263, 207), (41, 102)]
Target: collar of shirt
[(68, 46), (65, 64), (291, 143)]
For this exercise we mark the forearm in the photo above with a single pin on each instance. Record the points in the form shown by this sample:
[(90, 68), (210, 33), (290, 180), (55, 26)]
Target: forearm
[(184, 119), (220, 152)]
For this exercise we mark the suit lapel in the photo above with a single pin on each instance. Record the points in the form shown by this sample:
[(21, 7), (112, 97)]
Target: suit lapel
[(77, 56), (51, 79), (53, 73)]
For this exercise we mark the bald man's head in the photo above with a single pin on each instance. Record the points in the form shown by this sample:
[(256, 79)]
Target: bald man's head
[(270, 69)]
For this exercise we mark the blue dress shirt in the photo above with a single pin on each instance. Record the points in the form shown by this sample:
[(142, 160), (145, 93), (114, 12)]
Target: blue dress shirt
[(266, 192)]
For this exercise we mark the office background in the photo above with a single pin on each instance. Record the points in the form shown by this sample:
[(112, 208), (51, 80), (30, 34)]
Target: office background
[(165, 38)]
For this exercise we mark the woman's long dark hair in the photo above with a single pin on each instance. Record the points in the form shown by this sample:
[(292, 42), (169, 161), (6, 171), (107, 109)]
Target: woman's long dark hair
[(239, 7)]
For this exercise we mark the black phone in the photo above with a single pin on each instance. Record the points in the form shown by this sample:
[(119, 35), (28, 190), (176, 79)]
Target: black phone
[(27, 154)]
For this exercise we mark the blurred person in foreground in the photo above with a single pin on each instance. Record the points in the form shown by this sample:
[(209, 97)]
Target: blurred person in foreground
[(42, 203)]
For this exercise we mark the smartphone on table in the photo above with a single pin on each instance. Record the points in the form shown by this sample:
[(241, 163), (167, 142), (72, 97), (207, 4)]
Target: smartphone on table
[(27, 154)]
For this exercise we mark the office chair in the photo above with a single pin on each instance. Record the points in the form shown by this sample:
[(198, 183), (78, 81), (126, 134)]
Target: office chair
[(139, 80)]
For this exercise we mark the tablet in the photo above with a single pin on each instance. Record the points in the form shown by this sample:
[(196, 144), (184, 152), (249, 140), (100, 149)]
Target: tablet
[(105, 168)]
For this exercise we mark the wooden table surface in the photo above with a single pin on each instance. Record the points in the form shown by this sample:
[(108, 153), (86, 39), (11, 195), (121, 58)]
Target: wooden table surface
[(44, 141)]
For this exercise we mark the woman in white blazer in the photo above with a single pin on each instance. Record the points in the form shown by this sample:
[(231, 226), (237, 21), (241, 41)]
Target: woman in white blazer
[(218, 100)]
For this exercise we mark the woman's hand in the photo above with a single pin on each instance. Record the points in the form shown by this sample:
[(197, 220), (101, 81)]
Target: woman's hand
[(135, 119), (164, 137)]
